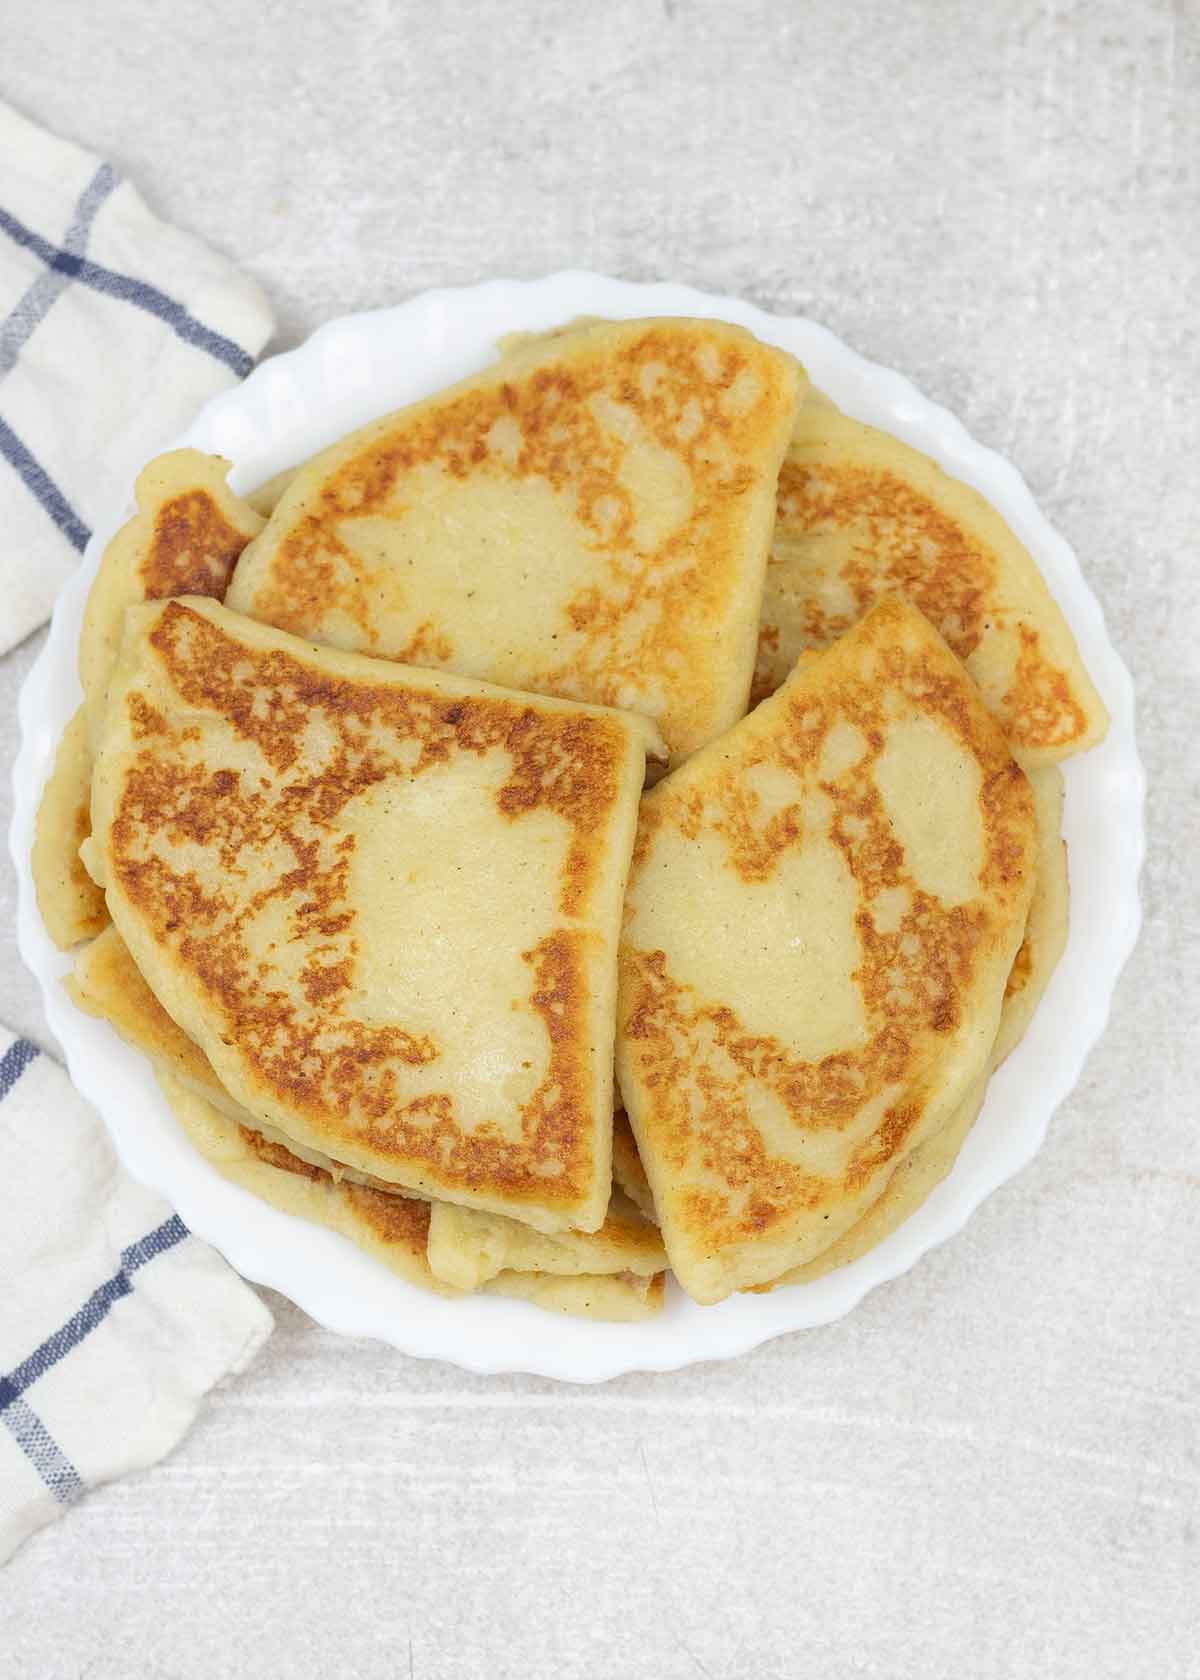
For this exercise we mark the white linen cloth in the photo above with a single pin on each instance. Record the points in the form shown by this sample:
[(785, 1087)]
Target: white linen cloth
[(114, 329), (115, 1321)]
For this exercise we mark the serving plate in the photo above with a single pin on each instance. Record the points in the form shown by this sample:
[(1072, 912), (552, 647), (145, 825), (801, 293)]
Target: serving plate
[(349, 372)]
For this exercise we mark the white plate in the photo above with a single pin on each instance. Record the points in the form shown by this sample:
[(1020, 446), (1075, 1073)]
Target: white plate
[(349, 372)]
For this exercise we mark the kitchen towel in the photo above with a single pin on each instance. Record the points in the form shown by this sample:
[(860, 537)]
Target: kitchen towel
[(114, 1320), (114, 329)]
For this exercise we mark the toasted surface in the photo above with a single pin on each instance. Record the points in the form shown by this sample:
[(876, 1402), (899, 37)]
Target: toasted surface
[(393, 1230), (590, 517), (383, 902), (184, 540), (467, 1247), (823, 911), (629, 1174), (71, 904), (106, 982), (861, 515), (919, 1174)]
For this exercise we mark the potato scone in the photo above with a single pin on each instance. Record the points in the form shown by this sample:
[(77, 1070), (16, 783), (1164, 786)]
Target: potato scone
[(822, 915), (384, 902), (589, 517), (862, 515), (184, 539)]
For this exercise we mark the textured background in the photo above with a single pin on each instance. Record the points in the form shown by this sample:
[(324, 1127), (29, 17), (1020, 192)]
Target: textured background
[(990, 1469)]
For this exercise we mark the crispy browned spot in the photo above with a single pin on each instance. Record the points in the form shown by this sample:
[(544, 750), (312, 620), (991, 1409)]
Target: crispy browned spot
[(193, 550), (908, 547), (320, 1060), (144, 719), (393, 1219), (426, 646), (1039, 701), (687, 577), (275, 1155), (696, 1057)]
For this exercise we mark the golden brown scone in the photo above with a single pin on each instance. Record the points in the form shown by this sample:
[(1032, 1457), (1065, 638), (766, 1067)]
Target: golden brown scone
[(861, 515), (185, 539), (589, 517), (822, 914), (385, 902)]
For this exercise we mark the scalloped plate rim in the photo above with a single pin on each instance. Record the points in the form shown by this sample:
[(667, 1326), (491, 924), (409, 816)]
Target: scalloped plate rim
[(324, 1273)]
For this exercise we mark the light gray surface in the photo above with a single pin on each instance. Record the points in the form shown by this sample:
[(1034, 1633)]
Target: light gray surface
[(990, 1470)]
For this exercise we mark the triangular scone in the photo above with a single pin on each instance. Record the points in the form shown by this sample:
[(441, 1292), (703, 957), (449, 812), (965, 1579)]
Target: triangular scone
[(822, 914), (861, 515), (919, 1174), (590, 517), (71, 904), (467, 1247), (184, 539), (384, 902), (393, 1230)]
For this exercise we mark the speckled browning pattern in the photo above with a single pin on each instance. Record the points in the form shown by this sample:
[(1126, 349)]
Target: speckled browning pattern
[(192, 550), (185, 539), (688, 1061), (860, 516), (391, 1230), (310, 1054), (663, 621)]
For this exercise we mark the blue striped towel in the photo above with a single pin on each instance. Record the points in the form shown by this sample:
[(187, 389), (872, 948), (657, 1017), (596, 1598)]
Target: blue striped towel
[(114, 329), (116, 1322)]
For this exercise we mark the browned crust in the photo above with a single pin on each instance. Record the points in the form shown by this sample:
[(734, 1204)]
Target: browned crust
[(679, 380), (320, 1062), (905, 543), (192, 548), (912, 976)]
